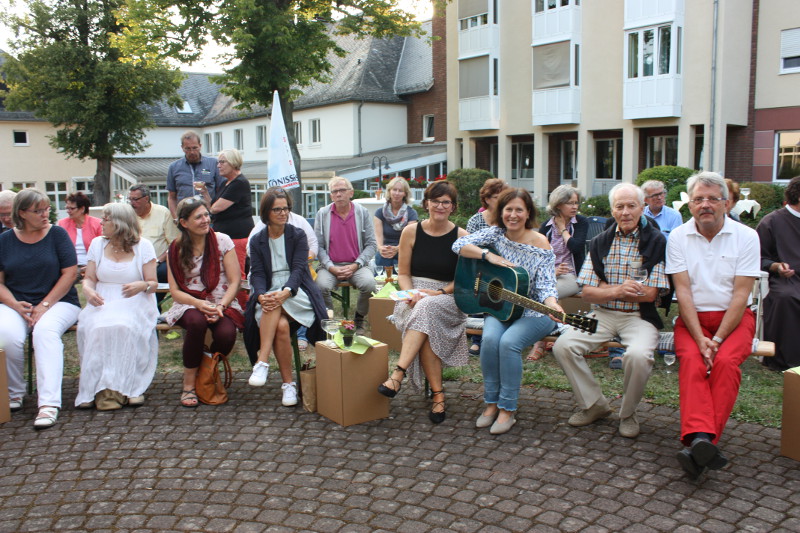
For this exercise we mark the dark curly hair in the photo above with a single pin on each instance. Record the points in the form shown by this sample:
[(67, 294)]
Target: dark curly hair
[(80, 200)]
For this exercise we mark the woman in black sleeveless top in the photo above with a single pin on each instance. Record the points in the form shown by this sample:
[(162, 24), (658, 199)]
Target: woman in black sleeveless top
[(432, 325)]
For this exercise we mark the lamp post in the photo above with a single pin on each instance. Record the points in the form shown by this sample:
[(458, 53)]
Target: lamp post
[(380, 162)]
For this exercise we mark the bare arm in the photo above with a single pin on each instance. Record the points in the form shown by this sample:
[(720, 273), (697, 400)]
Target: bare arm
[(407, 240), (172, 203), (59, 290), (628, 291), (220, 205)]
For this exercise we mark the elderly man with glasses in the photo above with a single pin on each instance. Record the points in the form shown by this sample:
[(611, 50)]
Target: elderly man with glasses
[(713, 262), (655, 196), (157, 227), (347, 243), (6, 203)]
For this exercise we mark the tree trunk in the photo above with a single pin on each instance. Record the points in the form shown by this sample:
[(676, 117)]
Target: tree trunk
[(102, 182), (288, 119)]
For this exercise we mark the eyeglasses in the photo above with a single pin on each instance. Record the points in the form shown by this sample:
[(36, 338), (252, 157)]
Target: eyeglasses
[(279, 210), (339, 191), (5, 215), (70, 209), (656, 195), (572, 203), (713, 200), (442, 203), (221, 161), (39, 212), (131, 199)]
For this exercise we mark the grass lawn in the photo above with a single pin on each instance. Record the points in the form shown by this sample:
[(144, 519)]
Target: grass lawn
[(760, 396)]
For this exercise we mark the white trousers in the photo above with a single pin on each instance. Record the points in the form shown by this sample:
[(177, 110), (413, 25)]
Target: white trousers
[(47, 345), (640, 338)]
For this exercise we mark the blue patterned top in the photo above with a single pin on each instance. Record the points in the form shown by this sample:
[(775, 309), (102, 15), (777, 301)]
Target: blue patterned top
[(540, 263)]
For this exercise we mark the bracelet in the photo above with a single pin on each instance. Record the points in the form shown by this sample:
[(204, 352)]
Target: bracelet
[(442, 291), (717, 339)]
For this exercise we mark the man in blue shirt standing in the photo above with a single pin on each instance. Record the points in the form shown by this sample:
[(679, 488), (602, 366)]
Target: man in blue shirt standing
[(654, 196), (193, 168)]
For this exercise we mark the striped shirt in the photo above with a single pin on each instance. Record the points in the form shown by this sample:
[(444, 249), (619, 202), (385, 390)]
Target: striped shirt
[(624, 249)]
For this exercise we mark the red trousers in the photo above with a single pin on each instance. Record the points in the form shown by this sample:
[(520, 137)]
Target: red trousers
[(707, 400), (240, 247)]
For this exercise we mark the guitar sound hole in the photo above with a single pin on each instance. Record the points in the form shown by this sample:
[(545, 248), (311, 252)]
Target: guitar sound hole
[(495, 288)]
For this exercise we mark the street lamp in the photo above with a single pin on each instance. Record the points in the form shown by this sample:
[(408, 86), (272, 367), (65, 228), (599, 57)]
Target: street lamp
[(380, 162)]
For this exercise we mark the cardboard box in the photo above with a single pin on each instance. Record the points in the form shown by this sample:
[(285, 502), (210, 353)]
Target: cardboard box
[(380, 328), (790, 428), (5, 411), (347, 384)]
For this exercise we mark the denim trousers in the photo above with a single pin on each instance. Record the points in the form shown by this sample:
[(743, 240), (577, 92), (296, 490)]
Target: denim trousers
[(501, 359)]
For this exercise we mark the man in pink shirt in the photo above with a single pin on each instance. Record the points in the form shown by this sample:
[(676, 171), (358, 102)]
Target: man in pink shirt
[(347, 243)]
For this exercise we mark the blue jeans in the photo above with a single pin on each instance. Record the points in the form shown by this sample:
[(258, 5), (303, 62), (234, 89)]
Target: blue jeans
[(501, 359)]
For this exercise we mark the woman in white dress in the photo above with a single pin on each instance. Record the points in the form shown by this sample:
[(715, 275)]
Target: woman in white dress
[(117, 338)]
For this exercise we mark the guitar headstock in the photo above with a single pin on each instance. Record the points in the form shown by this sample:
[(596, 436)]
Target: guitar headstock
[(582, 322)]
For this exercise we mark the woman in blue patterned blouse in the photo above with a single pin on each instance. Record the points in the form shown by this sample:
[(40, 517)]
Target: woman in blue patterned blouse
[(518, 245)]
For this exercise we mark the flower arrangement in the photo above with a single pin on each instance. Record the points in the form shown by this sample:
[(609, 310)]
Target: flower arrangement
[(440, 177), (347, 327)]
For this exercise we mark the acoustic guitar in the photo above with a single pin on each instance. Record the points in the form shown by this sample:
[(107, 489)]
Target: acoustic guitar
[(481, 287)]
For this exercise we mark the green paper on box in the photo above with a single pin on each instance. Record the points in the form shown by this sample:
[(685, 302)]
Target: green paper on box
[(386, 291), (360, 343)]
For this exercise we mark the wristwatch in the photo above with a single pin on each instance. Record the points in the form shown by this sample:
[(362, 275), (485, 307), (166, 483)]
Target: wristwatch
[(483, 253), (46, 305), (717, 339)]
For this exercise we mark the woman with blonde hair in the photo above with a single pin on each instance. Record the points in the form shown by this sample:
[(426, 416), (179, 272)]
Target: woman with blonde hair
[(117, 338), (390, 220)]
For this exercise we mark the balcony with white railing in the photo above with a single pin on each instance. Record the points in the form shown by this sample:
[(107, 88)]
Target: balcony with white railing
[(640, 13), (558, 105), (478, 41), (560, 24), (653, 97), (479, 113)]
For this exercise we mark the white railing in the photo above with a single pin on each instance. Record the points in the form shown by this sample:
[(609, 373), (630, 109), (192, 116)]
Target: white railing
[(560, 105)]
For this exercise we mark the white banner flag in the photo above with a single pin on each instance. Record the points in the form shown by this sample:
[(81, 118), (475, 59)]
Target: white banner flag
[(281, 171)]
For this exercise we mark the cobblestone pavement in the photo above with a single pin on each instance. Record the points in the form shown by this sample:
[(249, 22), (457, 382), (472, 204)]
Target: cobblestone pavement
[(252, 465)]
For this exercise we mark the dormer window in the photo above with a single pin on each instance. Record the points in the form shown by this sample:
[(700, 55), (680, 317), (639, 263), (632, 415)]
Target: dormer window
[(185, 108)]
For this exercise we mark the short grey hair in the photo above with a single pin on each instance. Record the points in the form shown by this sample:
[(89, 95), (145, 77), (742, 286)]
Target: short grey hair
[(337, 179), (619, 187), (143, 189), (232, 156), (709, 179), (191, 135), (26, 199), (653, 184), (7, 197), (561, 195)]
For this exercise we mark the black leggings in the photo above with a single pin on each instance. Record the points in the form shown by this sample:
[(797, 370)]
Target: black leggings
[(223, 333)]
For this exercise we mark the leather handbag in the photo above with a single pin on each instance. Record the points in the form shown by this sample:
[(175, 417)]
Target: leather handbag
[(209, 385)]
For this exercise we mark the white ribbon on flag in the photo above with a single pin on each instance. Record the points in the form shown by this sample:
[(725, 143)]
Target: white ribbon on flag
[(280, 171)]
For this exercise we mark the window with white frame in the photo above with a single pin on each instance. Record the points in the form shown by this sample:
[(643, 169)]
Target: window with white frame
[(662, 150), (207, 141), (298, 132), (316, 131), (261, 137), (790, 51), (650, 52), (22, 185), (427, 128), (238, 139), (608, 159), (315, 196), (788, 163), (159, 194), (21, 138), (522, 160), (218, 141), (541, 5), (185, 108), (569, 160), (57, 192), (257, 190), (472, 14)]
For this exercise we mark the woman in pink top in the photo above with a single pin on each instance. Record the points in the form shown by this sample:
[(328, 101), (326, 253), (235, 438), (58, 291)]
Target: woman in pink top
[(81, 227)]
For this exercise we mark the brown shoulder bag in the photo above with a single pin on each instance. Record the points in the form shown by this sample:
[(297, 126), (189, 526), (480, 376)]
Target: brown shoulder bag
[(209, 385)]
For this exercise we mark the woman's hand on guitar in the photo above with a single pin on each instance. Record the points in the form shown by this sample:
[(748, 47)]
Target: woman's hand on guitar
[(498, 260), (553, 304)]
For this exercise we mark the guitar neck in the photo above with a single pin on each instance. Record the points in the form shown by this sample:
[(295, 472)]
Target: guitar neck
[(516, 299)]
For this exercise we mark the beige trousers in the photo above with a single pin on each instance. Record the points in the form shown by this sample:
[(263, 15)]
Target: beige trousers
[(640, 338)]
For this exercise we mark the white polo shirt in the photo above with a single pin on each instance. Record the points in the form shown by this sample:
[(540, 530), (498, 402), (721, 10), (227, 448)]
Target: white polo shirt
[(712, 266)]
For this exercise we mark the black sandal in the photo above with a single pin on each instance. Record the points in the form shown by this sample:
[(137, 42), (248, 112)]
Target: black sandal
[(437, 417), (391, 393), (189, 396)]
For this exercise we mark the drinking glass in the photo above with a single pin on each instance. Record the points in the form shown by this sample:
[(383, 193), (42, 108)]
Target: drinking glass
[(331, 326), (639, 274), (745, 192), (669, 360)]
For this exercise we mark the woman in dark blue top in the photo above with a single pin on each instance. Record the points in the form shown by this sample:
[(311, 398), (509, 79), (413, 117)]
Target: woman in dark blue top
[(432, 324), (38, 268)]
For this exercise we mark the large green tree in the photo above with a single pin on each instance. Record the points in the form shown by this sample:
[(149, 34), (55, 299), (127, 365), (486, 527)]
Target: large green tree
[(65, 68), (281, 45)]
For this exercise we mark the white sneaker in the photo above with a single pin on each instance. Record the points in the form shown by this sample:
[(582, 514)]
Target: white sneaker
[(15, 404), (259, 376), (289, 394)]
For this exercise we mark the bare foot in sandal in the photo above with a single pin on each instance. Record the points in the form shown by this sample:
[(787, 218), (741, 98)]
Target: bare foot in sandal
[(537, 352), (189, 398)]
